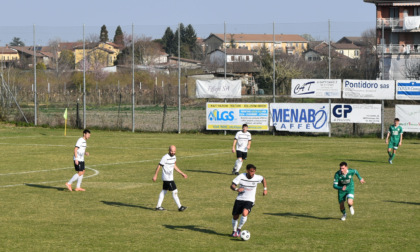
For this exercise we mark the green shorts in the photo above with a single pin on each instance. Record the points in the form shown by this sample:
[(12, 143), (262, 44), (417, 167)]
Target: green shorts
[(393, 145), (342, 195)]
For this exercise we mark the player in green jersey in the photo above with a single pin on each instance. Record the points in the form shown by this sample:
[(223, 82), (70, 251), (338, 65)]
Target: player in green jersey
[(343, 182), (395, 135)]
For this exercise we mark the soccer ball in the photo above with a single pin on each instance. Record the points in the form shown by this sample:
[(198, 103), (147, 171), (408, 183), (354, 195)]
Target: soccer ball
[(245, 235)]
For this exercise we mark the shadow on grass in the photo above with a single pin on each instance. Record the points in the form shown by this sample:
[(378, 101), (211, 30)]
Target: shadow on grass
[(364, 161), (47, 187), (119, 204), (212, 172), (403, 202), (194, 228), (299, 215)]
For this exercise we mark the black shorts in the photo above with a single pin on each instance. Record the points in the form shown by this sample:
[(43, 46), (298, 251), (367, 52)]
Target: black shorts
[(240, 154), (80, 166), (240, 205), (169, 185)]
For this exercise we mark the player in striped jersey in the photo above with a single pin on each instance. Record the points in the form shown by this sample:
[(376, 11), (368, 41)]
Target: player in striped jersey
[(241, 145), (246, 186)]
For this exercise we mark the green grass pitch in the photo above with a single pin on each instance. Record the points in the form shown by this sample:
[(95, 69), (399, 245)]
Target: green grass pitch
[(116, 213)]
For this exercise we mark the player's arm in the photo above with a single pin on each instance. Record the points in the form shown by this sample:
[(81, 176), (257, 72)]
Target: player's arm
[(234, 187), (179, 171), (234, 145), (335, 185), (249, 144), (156, 172), (359, 177), (265, 186), (75, 155), (387, 137), (401, 137)]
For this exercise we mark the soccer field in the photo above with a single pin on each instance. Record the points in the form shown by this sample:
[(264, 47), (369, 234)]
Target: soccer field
[(116, 213)]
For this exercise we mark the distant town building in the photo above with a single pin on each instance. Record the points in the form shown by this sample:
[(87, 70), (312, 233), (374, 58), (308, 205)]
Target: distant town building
[(283, 43), (400, 21)]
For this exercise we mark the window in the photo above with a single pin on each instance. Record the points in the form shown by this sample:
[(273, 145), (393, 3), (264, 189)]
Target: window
[(309, 58), (247, 58), (416, 11), (356, 53), (232, 58)]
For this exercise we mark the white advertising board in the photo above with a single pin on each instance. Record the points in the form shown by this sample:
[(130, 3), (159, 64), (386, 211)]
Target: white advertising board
[(231, 116), (356, 113), (408, 90), (222, 89), (409, 116), (300, 117), (369, 89), (316, 88)]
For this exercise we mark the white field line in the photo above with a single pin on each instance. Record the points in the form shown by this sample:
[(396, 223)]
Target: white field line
[(46, 182), (96, 171)]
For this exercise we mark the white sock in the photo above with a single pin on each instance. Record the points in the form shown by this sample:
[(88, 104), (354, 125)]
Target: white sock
[(235, 225), (242, 222), (175, 195), (238, 165), (74, 178), (161, 197), (79, 181)]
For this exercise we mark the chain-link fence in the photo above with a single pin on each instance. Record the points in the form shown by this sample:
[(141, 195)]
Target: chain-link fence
[(60, 81)]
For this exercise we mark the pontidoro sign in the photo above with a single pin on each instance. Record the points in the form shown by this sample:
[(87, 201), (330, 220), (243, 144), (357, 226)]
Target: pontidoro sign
[(369, 89)]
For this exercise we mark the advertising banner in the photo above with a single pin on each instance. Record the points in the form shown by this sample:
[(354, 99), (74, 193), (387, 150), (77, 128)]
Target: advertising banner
[(316, 88), (222, 89), (231, 116), (409, 116), (300, 117), (369, 89), (356, 113), (408, 90)]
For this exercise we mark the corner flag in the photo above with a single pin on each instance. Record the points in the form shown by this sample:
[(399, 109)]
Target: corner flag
[(65, 121)]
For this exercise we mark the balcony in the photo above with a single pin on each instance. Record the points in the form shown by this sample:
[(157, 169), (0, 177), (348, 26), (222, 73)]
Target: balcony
[(399, 49), (408, 24), (389, 23)]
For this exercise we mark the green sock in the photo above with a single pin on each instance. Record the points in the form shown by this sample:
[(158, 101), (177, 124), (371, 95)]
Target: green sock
[(392, 157), (389, 153), (343, 211)]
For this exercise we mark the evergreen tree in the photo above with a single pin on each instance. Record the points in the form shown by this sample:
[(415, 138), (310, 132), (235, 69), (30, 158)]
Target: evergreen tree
[(103, 37), (168, 42), (119, 36), (190, 37), (17, 42)]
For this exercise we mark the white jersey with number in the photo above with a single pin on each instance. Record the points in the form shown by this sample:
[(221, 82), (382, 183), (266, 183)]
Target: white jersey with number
[(81, 145), (242, 139), (249, 186), (168, 163)]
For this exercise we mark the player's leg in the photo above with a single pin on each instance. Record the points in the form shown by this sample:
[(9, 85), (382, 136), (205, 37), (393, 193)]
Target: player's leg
[(247, 210), (394, 152), (165, 188), (236, 211), (80, 178), (350, 203), (74, 178), (341, 201)]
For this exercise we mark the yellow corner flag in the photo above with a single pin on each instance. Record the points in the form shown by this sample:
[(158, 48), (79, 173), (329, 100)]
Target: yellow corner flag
[(65, 122)]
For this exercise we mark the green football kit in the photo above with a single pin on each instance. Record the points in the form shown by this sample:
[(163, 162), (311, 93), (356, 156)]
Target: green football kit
[(395, 136), (341, 180)]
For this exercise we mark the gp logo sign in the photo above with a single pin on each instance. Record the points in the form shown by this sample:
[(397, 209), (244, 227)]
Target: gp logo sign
[(341, 111), (311, 117)]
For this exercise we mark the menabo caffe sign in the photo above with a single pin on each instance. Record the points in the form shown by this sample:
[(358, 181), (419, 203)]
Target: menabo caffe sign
[(369, 89)]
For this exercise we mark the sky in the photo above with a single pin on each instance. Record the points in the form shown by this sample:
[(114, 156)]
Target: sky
[(64, 20)]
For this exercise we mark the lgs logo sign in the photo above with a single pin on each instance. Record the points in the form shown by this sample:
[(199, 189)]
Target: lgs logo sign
[(341, 111), (215, 115)]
